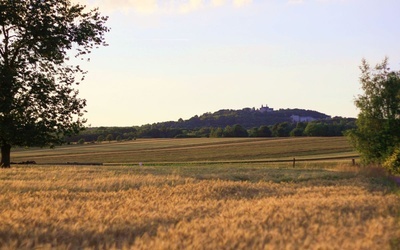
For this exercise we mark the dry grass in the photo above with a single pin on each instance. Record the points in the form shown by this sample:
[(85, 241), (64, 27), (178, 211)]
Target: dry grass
[(183, 208)]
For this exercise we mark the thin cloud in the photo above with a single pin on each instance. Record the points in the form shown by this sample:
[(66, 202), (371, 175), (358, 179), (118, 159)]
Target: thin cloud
[(318, 1), (218, 3), (296, 1), (161, 6), (191, 5), (240, 3), (140, 6)]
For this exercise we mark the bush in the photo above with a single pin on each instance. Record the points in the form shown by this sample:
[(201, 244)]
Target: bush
[(297, 132), (100, 138), (109, 137), (264, 131), (392, 163)]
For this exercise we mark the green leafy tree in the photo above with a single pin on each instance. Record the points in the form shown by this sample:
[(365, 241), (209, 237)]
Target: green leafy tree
[(38, 104), (392, 163), (100, 138), (81, 141), (239, 131), (316, 129), (253, 132), (235, 131), (282, 129), (378, 124), (228, 131), (264, 131), (297, 132), (216, 132), (109, 137)]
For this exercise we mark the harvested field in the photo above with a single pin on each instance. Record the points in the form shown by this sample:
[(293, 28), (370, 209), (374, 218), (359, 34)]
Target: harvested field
[(191, 150)]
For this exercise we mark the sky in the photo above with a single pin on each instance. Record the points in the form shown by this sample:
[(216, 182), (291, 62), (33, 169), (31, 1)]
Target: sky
[(172, 59)]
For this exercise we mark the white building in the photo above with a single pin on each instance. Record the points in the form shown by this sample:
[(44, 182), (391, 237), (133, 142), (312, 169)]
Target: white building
[(297, 118)]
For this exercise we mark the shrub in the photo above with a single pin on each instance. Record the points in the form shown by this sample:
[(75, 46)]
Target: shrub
[(109, 137), (100, 138), (392, 163), (297, 132)]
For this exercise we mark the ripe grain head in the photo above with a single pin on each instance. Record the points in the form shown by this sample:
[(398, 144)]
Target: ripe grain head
[(118, 208)]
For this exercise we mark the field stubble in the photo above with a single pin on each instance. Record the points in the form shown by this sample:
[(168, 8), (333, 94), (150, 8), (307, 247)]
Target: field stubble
[(190, 150), (198, 207)]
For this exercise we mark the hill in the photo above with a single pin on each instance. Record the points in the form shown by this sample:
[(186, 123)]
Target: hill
[(247, 122), (247, 117)]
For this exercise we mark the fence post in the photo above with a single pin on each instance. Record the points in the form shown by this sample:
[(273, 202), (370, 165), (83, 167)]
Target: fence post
[(294, 162), (354, 161)]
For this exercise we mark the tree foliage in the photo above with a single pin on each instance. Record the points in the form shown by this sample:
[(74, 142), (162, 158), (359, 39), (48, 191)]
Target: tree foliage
[(282, 129), (109, 137), (38, 103), (264, 131), (316, 129), (335, 127), (246, 117), (392, 163), (378, 123), (100, 138)]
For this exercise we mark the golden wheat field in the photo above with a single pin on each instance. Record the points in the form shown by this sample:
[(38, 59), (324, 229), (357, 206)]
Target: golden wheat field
[(276, 207)]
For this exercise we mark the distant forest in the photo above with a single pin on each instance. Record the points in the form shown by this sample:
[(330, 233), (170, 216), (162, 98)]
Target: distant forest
[(228, 123)]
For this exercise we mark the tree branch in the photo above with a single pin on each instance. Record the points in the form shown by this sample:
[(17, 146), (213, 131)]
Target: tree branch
[(5, 51), (1, 52)]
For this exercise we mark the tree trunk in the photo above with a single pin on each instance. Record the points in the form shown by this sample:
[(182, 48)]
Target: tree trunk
[(5, 156)]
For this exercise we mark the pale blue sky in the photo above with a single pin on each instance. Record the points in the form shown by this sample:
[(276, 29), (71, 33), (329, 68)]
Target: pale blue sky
[(175, 59)]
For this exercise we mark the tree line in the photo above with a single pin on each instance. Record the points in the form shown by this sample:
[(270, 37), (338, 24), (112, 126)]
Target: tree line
[(332, 127), (246, 117)]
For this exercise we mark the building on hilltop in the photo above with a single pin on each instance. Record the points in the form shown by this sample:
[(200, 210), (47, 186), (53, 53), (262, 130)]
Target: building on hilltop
[(266, 109)]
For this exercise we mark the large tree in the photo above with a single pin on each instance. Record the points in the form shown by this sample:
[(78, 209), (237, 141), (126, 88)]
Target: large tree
[(38, 103), (378, 123)]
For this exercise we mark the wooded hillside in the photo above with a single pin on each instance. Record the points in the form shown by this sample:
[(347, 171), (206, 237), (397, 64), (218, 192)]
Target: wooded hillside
[(247, 117), (246, 122)]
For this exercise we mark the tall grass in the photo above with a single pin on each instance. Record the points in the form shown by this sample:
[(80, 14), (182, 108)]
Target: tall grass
[(197, 207)]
